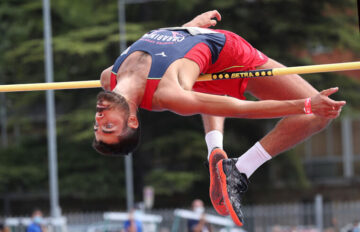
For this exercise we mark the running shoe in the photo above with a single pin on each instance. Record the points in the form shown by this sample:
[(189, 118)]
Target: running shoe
[(233, 184), (215, 191)]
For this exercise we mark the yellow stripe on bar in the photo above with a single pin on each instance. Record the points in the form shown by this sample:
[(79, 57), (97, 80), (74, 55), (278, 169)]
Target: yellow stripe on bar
[(52, 85)]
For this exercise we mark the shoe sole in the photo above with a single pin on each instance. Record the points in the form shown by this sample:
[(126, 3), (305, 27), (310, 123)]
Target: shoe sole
[(226, 196), (215, 191)]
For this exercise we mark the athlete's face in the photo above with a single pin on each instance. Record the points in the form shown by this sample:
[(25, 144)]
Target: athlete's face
[(112, 113)]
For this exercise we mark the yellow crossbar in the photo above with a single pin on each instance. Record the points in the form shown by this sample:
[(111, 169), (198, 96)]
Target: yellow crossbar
[(207, 77)]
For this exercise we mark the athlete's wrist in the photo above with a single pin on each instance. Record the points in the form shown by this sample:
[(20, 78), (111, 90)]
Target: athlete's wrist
[(190, 24), (297, 106)]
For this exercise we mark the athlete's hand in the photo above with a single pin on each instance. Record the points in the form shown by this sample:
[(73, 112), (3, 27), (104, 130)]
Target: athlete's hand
[(323, 106), (204, 20)]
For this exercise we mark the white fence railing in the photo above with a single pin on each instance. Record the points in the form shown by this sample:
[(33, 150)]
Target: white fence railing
[(258, 218)]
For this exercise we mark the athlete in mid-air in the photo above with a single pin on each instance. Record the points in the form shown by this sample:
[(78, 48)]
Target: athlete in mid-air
[(159, 71)]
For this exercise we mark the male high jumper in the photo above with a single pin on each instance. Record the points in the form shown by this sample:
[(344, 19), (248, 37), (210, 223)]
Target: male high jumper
[(159, 71)]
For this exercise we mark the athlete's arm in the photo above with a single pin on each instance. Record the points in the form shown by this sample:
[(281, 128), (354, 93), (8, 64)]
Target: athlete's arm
[(188, 103), (204, 20)]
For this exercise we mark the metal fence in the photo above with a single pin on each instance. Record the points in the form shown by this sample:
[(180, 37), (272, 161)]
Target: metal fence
[(313, 216), (328, 216)]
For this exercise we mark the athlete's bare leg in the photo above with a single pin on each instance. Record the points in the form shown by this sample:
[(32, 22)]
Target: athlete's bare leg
[(290, 130), (213, 123), (287, 133)]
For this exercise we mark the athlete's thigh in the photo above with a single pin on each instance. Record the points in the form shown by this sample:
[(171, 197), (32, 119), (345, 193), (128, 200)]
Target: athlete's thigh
[(279, 87)]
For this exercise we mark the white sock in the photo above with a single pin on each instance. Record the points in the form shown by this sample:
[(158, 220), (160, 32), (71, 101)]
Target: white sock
[(213, 139), (252, 159)]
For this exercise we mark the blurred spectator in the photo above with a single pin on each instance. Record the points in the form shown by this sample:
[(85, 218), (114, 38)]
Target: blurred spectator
[(356, 227), (198, 225), (4, 228), (334, 227), (37, 224), (132, 225)]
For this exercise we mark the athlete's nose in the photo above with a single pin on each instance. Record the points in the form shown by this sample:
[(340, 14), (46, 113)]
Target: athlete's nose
[(99, 115)]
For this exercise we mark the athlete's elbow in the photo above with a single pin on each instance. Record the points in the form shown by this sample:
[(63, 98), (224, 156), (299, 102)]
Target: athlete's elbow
[(184, 111)]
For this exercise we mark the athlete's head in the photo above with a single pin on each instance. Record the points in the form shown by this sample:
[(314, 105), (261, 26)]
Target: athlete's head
[(117, 132)]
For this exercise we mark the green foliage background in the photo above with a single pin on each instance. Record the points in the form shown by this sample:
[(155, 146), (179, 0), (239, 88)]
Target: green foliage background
[(85, 41)]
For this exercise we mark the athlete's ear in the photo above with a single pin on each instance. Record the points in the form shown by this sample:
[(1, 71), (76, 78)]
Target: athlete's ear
[(133, 122)]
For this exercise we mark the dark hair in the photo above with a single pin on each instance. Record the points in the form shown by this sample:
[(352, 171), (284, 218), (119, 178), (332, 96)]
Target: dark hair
[(127, 143)]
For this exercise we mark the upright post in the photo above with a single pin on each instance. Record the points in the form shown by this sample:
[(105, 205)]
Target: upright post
[(319, 210), (129, 182), (50, 114), (347, 147), (128, 158), (3, 119)]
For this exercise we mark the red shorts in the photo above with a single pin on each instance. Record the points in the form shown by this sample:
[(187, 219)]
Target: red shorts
[(236, 55)]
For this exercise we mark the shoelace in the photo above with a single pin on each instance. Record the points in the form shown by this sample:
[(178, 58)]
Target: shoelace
[(239, 185), (241, 188)]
